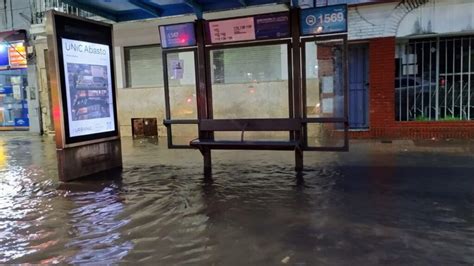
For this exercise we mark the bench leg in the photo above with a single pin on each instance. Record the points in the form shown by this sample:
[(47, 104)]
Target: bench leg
[(298, 160), (206, 154)]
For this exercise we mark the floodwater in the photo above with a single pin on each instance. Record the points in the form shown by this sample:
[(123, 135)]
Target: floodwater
[(400, 203)]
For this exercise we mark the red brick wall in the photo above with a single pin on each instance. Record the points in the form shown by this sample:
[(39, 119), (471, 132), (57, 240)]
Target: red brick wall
[(382, 81), (382, 103)]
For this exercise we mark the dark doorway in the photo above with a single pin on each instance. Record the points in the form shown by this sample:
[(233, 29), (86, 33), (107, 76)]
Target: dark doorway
[(358, 86)]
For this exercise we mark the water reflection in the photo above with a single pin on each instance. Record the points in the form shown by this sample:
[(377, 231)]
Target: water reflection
[(353, 208)]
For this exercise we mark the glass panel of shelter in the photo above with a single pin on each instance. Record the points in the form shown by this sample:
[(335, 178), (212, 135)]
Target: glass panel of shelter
[(254, 81), (325, 92), (250, 81), (180, 96)]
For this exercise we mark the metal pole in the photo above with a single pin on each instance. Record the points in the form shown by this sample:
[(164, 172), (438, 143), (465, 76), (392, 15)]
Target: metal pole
[(431, 70), (437, 78), (454, 82), (297, 99), (408, 82), (422, 79), (415, 71), (446, 80), (400, 74), (167, 97), (461, 80), (469, 83), (204, 98)]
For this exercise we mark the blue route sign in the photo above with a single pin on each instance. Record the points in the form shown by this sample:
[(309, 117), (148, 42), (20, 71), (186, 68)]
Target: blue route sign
[(177, 35), (323, 20)]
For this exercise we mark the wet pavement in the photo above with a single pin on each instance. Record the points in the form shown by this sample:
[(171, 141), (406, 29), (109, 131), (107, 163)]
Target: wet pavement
[(381, 203)]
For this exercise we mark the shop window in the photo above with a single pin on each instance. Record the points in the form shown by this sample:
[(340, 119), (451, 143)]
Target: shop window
[(435, 80), (249, 82), (143, 66), (249, 65), (13, 101)]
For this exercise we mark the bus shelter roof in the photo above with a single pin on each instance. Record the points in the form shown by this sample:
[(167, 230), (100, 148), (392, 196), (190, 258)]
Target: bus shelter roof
[(127, 10)]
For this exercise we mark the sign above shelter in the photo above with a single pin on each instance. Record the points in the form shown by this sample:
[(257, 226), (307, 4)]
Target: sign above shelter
[(178, 35), (324, 20), (259, 27), (351, 2)]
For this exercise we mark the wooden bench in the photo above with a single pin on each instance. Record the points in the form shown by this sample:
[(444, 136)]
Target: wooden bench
[(243, 125)]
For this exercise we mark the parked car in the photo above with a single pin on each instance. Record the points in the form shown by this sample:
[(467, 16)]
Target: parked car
[(407, 89)]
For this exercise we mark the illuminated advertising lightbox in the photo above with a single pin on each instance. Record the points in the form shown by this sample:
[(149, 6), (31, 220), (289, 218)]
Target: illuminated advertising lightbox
[(4, 62), (177, 35), (17, 55), (87, 80), (88, 87)]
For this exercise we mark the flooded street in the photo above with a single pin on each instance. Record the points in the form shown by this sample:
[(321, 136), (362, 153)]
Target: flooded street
[(399, 203)]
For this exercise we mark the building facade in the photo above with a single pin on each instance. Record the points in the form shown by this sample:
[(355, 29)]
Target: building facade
[(411, 71)]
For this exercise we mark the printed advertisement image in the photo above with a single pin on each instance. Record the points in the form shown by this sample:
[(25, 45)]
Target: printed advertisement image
[(88, 87)]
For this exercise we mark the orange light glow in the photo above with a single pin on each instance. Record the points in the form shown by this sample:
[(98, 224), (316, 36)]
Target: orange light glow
[(3, 155), (56, 113)]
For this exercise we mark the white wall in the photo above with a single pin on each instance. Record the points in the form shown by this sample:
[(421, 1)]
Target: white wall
[(439, 17), (370, 21), (17, 7)]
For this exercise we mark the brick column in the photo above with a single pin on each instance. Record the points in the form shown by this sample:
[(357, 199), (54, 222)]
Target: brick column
[(381, 84)]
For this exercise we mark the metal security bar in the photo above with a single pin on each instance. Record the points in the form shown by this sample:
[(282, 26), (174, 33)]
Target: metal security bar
[(41, 6), (434, 79)]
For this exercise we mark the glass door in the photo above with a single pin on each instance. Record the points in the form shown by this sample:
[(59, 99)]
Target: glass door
[(180, 81)]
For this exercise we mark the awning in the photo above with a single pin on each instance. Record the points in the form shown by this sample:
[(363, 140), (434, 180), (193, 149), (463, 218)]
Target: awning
[(125, 10)]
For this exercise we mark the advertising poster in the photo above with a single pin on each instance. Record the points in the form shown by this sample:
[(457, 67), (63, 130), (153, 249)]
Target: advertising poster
[(88, 88), (17, 54)]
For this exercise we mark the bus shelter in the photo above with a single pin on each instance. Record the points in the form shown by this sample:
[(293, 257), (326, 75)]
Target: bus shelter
[(305, 110)]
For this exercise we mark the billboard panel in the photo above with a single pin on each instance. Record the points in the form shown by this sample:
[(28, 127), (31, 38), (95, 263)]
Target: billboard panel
[(87, 91)]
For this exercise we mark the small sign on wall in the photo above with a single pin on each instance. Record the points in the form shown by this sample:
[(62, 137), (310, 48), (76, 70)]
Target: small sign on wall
[(328, 84), (177, 69)]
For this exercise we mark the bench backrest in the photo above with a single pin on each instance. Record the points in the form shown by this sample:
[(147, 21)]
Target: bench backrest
[(270, 124)]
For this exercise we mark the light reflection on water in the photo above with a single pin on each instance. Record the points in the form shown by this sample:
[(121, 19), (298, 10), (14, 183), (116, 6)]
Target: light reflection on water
[(254, 210)]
